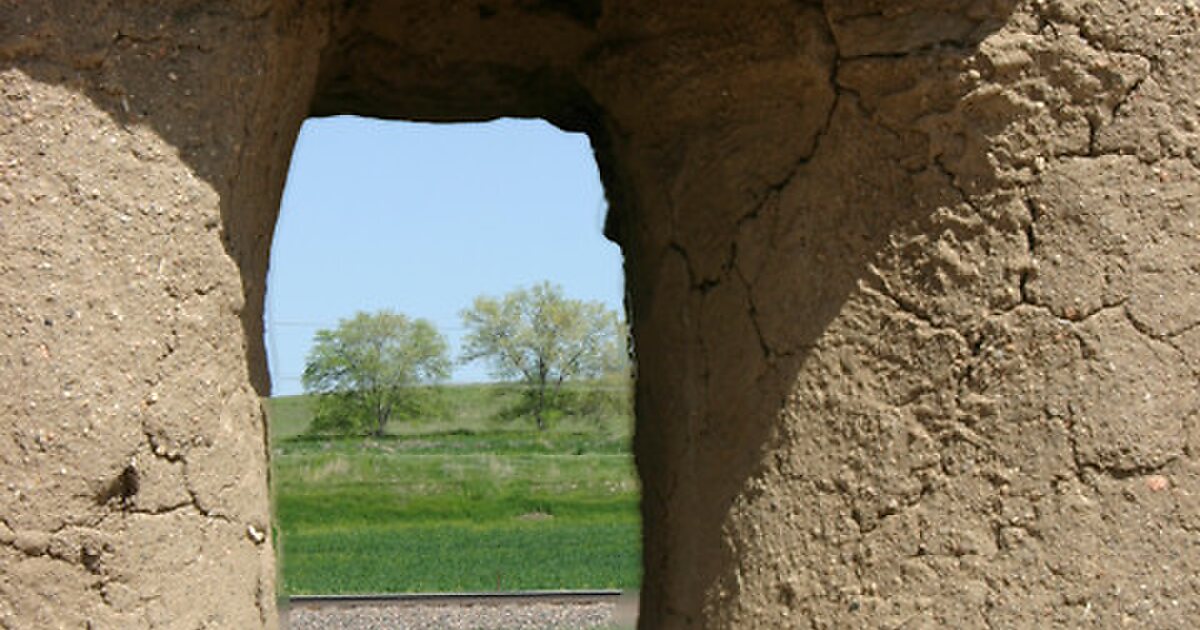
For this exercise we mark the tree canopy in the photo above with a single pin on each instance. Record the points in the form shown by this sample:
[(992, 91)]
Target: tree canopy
[(365, 369), (541, 338)]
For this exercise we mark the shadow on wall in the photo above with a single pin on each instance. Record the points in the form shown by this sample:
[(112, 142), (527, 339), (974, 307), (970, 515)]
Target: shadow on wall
[(743, 250), (776, 283), (227, 89)]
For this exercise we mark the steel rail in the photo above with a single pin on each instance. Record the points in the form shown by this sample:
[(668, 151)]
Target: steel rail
[(461, 599)]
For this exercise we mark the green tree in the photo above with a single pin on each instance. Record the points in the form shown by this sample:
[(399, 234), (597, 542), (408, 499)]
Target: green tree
[(366, 370), (543, 339)]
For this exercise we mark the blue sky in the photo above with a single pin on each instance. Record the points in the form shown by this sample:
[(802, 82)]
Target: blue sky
[(421, 218)]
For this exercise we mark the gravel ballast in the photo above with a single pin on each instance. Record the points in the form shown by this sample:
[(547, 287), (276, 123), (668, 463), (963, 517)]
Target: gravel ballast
[(513, 616)]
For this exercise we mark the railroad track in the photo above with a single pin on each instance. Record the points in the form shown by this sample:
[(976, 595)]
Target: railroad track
[(598, 609)]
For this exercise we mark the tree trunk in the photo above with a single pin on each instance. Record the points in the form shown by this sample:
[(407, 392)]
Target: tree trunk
[(538, 406), (382, 413)]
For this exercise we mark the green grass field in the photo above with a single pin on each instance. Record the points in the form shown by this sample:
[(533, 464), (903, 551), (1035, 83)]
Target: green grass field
[(468, 502)]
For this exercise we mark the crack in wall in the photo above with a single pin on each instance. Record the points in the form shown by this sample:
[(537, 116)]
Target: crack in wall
[(752, 313), (1029, 274), (917, 304)]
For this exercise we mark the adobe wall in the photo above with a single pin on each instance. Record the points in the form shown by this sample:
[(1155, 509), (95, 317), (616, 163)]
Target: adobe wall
[(914, 289)]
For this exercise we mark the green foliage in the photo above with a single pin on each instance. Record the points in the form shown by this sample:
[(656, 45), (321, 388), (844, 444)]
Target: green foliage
[(542, 339), (475, 511), (439, 557), (475, 412), (598, 401), (365, 370), (589, 402), (288, 416)]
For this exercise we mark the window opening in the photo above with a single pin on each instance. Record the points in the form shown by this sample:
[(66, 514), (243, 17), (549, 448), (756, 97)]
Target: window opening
[(477, 478)]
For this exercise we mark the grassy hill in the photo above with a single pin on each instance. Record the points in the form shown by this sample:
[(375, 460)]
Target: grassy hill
[(472, 499), (469, 408), (288, 416)]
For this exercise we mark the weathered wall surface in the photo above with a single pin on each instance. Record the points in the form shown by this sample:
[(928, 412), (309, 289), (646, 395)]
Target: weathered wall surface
[(979, 295), (914, 287), (133, 486)]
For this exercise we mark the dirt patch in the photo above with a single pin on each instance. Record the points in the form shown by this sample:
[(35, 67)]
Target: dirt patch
[(535, 516)]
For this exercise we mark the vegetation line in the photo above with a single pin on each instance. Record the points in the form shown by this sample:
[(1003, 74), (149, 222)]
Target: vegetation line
[(581, 596), (476, 501)]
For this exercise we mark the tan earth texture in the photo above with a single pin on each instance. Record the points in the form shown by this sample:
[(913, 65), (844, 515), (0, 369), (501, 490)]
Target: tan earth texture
[(914, 284)]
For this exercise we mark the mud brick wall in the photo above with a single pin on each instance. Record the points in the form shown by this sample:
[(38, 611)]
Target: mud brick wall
[(914, 285)]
